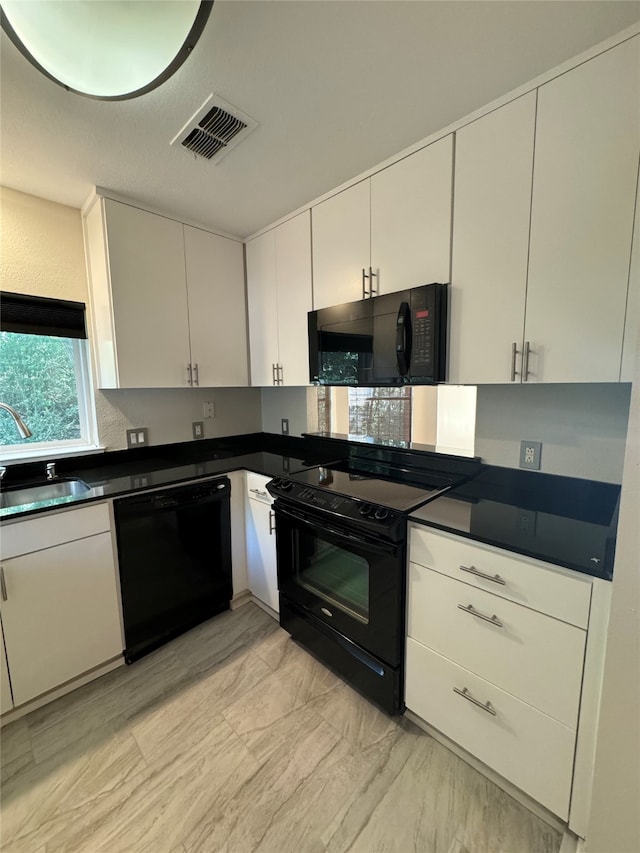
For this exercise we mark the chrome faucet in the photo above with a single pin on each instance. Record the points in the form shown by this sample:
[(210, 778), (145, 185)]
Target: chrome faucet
[(51, 471), (23, 429)]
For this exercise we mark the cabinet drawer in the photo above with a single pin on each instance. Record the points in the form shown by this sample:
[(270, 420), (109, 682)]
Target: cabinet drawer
[(523, 745), (534, 657), (540, 586), (54, 528), (257, 487)]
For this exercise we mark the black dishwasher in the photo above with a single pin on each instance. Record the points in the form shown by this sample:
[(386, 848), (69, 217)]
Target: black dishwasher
[(174, 551)]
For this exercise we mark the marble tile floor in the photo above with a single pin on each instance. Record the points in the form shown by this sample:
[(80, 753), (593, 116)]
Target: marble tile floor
[(232, 738)]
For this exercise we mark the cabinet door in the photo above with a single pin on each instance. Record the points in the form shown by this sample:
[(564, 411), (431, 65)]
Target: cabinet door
[(61, 617), (586, 162), (411, 219), (217, 309), (341, 245), (263, 308), (149, 297), (261, 553), (293, 272), (494, 163), (632, 318), (6, 701)]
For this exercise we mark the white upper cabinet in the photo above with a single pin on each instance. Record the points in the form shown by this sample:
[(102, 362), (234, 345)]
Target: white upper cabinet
[(167, 301), (387, 233), (279, 294), (494, 164), (293, 272), (585, 171), (341, 246), (263, 308), (411, 219), (217, 309), (143, 281)]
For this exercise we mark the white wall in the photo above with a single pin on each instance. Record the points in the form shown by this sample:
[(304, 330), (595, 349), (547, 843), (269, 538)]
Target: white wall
[(291, 403), (614, 823), (582, 428), (42, 253)]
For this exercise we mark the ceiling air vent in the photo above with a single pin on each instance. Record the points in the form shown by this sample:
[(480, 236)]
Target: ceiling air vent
[(214, 129)]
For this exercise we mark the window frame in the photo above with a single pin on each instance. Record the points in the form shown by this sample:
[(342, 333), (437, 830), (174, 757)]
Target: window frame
[(88, 441)]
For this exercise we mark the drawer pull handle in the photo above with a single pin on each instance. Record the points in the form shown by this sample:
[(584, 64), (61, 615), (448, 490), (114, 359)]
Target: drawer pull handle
[(469, 608), (473, 571), (3, 585), (259, 492), (487, 706)]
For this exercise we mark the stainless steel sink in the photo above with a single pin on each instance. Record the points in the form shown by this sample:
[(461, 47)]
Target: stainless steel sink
[(45, 490)]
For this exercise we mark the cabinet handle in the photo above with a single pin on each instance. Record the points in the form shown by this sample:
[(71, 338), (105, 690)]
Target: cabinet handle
[(189, 375), (486, 706), (196, 380), (469, 608), (514, 353), (272, 518), (364, 292), (473, 571), (372, 275), (280, 371), (259, 492), (3, 585), (274, 380), (525, 361)]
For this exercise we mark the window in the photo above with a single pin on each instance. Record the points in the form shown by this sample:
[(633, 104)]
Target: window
[(383, 414), (44, 376)]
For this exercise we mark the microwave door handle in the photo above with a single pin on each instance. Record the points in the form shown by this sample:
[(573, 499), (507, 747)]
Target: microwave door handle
[(403, 338)]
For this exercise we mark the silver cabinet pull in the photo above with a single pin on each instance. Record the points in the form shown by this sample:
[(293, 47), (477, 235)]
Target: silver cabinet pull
[(364, 292), (196, 380), (259, 492), (469, 608), (514, 353), (272, 518), (326, 612), (274, 380), (372, 275), (189, 375), (3, 584), (280, 371), (473, 571), (486, 706), (525, 361)]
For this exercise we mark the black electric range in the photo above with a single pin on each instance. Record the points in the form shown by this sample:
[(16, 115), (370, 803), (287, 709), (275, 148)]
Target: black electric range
[(341, 545)]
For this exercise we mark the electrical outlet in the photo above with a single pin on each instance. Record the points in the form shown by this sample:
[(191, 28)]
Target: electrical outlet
[(209, 410), (137, 437), (530, 452), (526, 521), (285, 426), (198, 429)]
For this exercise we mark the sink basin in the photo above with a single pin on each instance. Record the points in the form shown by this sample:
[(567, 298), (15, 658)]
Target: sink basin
[(45, 490)]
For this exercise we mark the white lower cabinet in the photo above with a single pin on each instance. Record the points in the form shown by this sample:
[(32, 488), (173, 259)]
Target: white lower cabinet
[(60, 608), (496, 659), (6, 700), (261, 542)]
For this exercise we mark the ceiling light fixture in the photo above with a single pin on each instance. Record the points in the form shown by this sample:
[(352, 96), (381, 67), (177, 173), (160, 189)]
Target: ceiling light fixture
[(106, 49)]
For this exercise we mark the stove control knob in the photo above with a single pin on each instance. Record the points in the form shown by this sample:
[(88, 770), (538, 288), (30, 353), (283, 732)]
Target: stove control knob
[(381, 513), (286, 485), (276, 482), (365, 510)]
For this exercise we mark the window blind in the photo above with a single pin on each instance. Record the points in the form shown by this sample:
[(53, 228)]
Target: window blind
[(39, 315)]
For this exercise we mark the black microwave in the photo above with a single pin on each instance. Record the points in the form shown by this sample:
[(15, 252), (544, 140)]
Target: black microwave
[(393, 339)]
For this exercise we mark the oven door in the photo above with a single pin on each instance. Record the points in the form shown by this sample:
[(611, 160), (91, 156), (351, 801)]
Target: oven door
[(353, 582)]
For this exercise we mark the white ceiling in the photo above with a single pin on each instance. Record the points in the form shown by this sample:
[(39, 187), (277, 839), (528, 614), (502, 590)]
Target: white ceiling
[(335, 86)]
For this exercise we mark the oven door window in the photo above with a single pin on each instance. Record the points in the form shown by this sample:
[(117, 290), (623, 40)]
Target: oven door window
[(335, 574)]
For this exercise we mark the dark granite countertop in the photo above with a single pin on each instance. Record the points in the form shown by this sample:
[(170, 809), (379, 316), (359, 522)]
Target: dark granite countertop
[(562, 520)]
